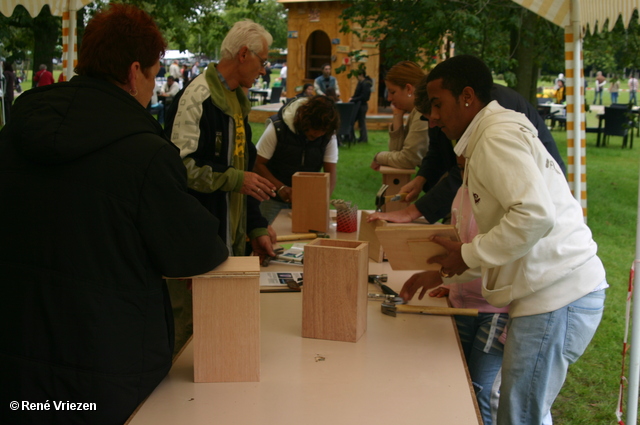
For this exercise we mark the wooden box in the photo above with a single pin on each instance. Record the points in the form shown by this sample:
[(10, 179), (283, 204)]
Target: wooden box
[(310, 206), (395, 178), (334, 295), (226, 322)]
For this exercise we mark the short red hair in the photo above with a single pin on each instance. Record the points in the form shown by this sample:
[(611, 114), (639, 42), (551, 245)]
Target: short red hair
[(114, 39)]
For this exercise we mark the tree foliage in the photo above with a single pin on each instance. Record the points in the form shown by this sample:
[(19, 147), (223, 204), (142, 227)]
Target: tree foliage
[(501, 32)]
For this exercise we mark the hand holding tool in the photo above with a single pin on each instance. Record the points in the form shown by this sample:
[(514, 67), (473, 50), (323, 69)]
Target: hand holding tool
[(390, 309), (382, 198)]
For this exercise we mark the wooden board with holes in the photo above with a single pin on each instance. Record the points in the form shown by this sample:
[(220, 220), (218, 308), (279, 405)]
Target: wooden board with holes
[(409, 247)]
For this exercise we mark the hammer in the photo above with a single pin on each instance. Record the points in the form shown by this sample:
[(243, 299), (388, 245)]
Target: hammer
[(378, 279), (390, 309), (300, 236), (382, 199)]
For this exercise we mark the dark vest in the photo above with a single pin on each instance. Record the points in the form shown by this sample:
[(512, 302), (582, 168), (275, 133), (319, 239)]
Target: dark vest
[(294, 152)]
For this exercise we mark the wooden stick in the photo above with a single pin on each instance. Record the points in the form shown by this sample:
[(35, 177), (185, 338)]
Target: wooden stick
[(296, 237), (445, 311)]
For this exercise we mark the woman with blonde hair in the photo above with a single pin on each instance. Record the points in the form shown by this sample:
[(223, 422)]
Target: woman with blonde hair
[(408, 143)]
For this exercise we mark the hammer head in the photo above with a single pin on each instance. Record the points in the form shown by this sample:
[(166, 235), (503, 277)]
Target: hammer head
[(380, 198), (388, 309), (378, 277)]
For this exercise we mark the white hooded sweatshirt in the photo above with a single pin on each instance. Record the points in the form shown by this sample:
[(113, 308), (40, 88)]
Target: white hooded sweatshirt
[(535, 251)]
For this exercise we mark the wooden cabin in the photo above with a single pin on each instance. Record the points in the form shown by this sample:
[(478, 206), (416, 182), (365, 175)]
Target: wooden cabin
[(314, 39)]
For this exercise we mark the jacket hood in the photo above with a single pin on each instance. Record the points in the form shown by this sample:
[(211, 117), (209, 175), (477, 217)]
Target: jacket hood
[(490, 115), (62, 122), (288, 112)]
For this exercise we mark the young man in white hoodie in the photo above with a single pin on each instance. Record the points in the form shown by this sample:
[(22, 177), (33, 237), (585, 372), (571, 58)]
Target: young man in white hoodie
[(534, 249)]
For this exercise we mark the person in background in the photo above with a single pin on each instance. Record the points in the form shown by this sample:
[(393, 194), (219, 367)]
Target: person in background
[(185, 74), (600, 83), (43, 77), (283, 76), (307, 91), (9, 86), (534, 249), (162, 72), (614, 88), (633, 88), (155, 106), (169, 91), (301, 137), (208, 123), (174, 70), (408, 143), (326, 81), (266, 78), (195, 70), (361, 97), (439, 175), (91, 321), (560, 94), (331, 94)]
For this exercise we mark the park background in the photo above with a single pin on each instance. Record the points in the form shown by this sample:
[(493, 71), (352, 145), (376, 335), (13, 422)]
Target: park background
[(591, 391)]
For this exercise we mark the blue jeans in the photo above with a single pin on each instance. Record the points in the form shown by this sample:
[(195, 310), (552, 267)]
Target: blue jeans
[(614, 97), (271, 208), (632, 96), (597, 94), (537, 354), (483, 353)]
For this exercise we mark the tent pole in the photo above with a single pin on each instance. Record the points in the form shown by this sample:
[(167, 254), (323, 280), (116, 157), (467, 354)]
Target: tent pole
[(71, 42), (634, 354), (576, 106)]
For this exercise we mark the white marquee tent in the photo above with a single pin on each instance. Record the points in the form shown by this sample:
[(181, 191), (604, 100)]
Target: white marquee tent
[(573, 15)]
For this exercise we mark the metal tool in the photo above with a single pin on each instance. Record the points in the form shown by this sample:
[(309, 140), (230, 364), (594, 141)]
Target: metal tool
[(267, 260), (378, 279), (300, 236), (390, 309), (386, 298), (382, 198)]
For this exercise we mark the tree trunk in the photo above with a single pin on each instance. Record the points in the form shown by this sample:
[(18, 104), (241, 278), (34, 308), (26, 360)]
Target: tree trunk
[(46, 33), (523, 48)]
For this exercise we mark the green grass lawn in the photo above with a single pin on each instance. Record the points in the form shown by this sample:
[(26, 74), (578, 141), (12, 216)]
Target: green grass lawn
[(590, 393)]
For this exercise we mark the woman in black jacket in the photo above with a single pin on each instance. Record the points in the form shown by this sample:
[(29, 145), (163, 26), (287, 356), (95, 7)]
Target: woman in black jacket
[(96, 210)]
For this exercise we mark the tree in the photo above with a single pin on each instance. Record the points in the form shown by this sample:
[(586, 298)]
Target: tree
[(22, 33), (505, 35)]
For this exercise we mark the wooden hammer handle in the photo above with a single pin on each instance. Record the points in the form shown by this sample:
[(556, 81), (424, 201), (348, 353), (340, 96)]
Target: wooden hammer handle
[(444, 311), (296, 237)]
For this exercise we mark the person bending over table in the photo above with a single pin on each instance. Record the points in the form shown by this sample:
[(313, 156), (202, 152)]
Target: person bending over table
[(439, 176), (300, 137), (408, 143), (535, 251)]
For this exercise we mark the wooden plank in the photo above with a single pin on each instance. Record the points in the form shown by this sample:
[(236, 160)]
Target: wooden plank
[(408, 247)]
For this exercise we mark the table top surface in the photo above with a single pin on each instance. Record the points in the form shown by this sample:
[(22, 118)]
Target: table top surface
[(403, 369)]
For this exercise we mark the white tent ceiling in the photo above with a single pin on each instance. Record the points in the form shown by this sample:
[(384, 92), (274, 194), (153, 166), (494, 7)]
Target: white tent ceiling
[(58, 8)]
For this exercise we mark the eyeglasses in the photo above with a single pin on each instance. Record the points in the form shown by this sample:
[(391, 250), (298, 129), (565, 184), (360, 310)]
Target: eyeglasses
[(263, 62)]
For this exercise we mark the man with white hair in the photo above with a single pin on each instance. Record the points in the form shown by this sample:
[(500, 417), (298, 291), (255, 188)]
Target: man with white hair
[(208, 122)]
